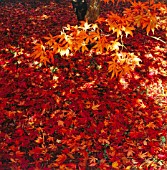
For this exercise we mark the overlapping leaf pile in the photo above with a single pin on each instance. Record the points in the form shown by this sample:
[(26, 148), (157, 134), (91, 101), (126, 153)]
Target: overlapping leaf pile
[(71, 114), (80, 38)]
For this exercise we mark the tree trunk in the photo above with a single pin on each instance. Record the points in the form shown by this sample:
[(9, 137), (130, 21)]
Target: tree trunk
[(80, 8), (93, 11)]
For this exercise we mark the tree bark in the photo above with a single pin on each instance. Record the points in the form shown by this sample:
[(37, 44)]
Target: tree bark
[(80, 8), (93, 11)]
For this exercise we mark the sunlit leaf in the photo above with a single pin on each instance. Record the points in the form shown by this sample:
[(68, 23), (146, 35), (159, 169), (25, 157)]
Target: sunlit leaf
[(115, 165)]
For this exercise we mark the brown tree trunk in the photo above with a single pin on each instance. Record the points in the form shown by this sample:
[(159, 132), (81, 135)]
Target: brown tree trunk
[(93, 11)]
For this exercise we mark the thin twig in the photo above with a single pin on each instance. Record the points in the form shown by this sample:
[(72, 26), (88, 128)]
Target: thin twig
[(158, 38)]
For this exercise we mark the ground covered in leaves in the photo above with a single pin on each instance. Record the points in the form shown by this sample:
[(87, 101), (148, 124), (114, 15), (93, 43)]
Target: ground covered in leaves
[(72, 115)]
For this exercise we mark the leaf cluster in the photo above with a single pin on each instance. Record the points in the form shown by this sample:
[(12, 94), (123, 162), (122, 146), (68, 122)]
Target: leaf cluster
[(89, 38)]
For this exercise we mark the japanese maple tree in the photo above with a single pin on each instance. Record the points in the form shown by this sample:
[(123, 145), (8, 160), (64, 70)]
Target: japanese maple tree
[(87, 96)]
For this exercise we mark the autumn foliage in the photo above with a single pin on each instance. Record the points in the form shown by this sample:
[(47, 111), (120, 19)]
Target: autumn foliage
[(89, 96), (78, 38)]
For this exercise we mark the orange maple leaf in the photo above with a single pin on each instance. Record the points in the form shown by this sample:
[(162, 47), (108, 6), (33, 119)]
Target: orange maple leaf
[(128, 30), (93, 161), (130, 152), (151, 125), (142, 155), (60, 159), (44, 59), (50, 40), (104, 141), (95, 107), (60, 123)]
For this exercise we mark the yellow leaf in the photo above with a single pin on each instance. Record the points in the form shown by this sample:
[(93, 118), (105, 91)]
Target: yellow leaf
[(115, 165), (85, 26), (118, 31), (136, 60), (95, 107), (68, 27), (128, 168), (39, 140), (64, 52), (151, 125), (128, 30), (138, 20), (115, 45), (84, 48)]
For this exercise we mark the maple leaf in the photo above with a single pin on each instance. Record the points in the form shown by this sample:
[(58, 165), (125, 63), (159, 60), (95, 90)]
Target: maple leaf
[(84, 47), (104, 141), (82, 34), (55, 47), (95, 107), (118, 31), (39, 50), (114, 66), (39, 140), (114, 45), (142, 155), (60, 159), (39, 46), (63, 38), (44, 59), (85, 26), (68, 27), (128, 30), (60, 123), (130, 152), (138, 19), (52, 147), (50, 139), (92, 37), (50, 40), (101, 44), (64, 50), (149, 21), (115, 165), (101, 20), (135, 60), (151, 125), (93, 161), (139, 6)]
